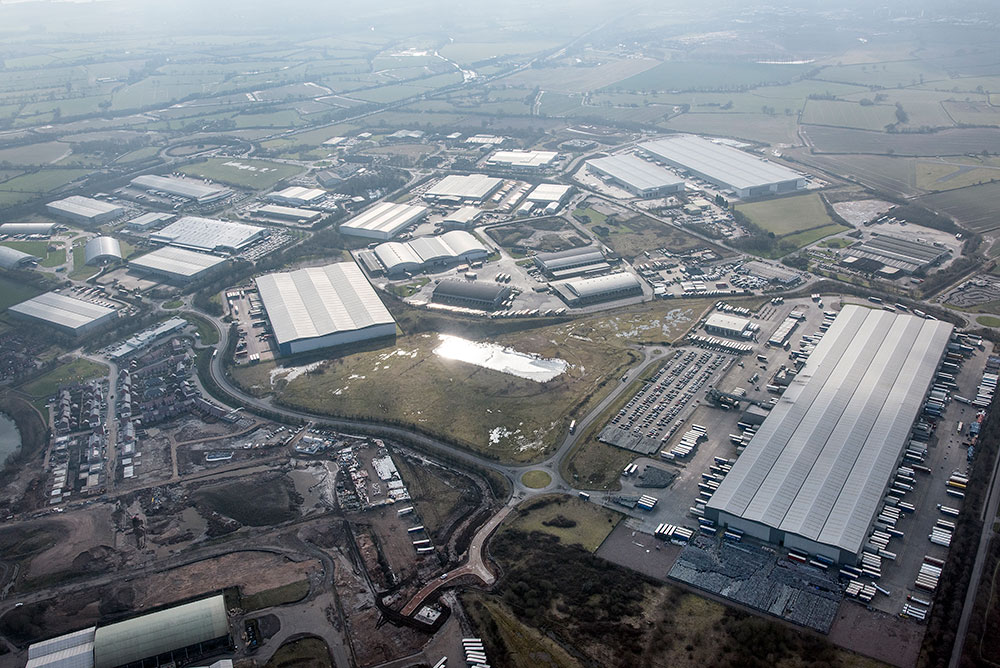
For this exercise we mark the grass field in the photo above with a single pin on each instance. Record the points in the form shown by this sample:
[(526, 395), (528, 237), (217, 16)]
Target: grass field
[(787, 215), (684, 75), (76, 371), (848, 114), (14, 292), (289, 593), (309, 652), (974, 208), (936, 176), (242, 173), (81, 271), (437, 492), (988, 321), (807, 237), (580, 79), (536, 479), (973, 113), (207, 333), (957, 141), (570, 519), (766, 128)]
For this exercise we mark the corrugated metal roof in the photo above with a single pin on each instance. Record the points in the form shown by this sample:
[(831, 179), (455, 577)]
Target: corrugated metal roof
[(548, 192), (572, 257), (411, 255), (85, 207), (724, 164), (317, 301), (636, 172), (160, 632), (385, 218), (207, 234), (179, 261), (11, 258), (102, 248), (189, 188), (27, 228), (60, 643), (523, 158), (724, 321), (600, 285), (61, 310), (819, 465), (466, 186)]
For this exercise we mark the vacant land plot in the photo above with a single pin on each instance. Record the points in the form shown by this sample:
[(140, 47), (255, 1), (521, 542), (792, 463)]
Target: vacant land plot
[(543, 235), (884, 74), (766, 128), (893, 175), (581, 78), (77, 371), (973, 113), (14, 292), (42, 153), (242, 173), (632, 236), (272, 500), (683, 75), (27, 187), (494, 413), (959, 141), (936, 176), (848, 114), (974, 208), (570, 519), (787, 215), (310, 652)]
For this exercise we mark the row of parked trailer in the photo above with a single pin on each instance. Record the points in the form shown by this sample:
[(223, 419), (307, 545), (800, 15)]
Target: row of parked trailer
[(929, 574), (675, 534), (417, 533), (475, 653), (720, 345), (687, 445)]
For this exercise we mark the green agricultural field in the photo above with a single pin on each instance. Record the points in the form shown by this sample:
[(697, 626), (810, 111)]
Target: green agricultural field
[(568, 518), (580, 78), (807, 237), (787, 215), (242, 173), (14, 292), (974, 207), (885, 74), (42, 153), (31, 186), (973, 113), (39, 249), (767, 128), (77, 371), (936, 176), (685, 75), (848, 114)]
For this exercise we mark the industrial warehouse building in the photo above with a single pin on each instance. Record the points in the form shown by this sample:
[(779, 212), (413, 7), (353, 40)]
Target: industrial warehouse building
[(289, 213), (209, 235), (40, 229), (383, 221), (471, 294), (148, 221), (772, 274), (725, 166), (426, 253), (462, 219), (903, 254), (572, 262), (548, 193), (584, 291), (814, 476), (189, 189), (67, 314), (728, 325), (85, 210), (297, 196), (472, 188), (102, 250), (523, 161), (177, 265), (637, 176), (179, 635), (319, 307), (11, 258)]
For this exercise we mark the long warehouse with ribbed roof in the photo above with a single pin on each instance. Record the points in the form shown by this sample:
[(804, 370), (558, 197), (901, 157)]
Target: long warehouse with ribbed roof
[(320, 307), (815, 474)]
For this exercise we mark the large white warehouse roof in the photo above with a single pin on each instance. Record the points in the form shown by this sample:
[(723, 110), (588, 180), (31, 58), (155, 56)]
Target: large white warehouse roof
[(177, 263), (719, 163), (638, 174), (102, 249), (63, 311), (27, 228), (589, 288), (85, 209), (208, 234), (187, 188), (383, 221), (317, 302), (523, 159), (415, 254), (472, 187), (819, 465)]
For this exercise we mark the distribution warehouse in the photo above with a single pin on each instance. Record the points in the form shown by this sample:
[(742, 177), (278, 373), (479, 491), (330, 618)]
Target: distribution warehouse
[(206, 234), (319, 307), (903, 254), (464, 188), (297, 196), (523, 161), (67, 314), (189, 189), (178, 265), (85, 210), (814, 476), (637, 176), (583, 291), (425, 253), (725, 166), (383, 221)]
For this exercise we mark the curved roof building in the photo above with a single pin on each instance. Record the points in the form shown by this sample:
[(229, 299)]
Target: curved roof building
[(582, 291), (45, 229), (102, 250), (11, 258), (425, 252)]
